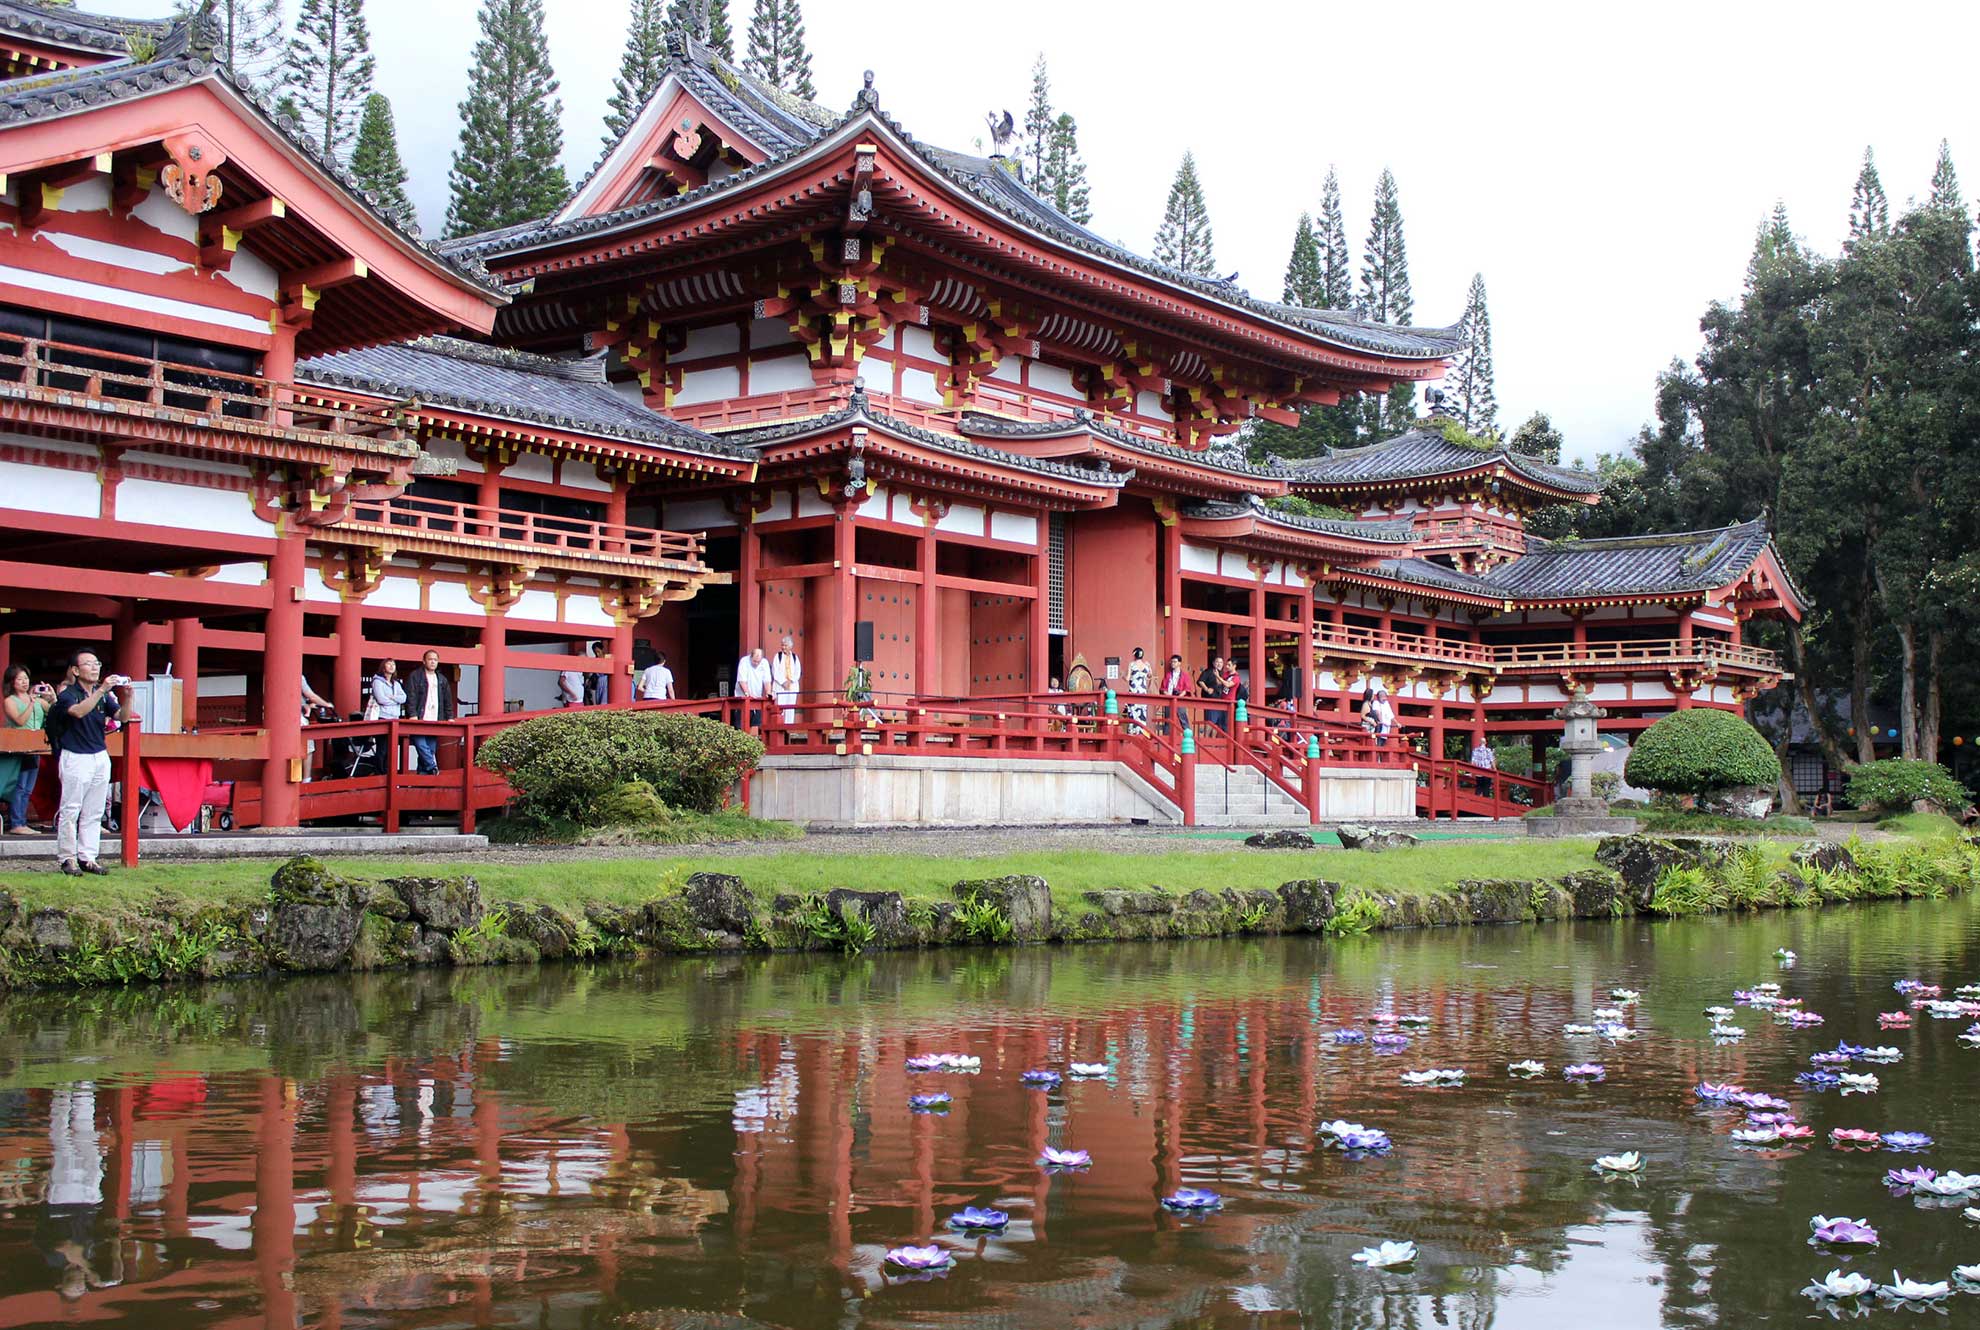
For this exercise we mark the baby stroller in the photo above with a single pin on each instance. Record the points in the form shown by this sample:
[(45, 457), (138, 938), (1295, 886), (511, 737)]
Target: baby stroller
[(359, 755)]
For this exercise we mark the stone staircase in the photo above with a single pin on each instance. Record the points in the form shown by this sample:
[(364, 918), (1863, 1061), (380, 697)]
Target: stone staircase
[(1242, 797)]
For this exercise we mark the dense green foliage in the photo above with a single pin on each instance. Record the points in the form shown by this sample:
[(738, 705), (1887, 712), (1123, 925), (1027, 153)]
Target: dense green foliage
[(1386, 297), (1895, 784), (777, 53), (506, 169), (1691, 752), (250, 33), (327, 72), (1473, 398), (641, 66), (1184, 240), (564, 765), (1760, 876), (375, 163)]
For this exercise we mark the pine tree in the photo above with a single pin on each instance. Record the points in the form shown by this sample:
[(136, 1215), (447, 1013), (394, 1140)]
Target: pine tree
[(375, 163), (328, 70), (1385, 296), (1184, 240), (1538, 439), (1869, 210), (1039, 122), (707, 21), (1066, 170), (250, 34), (777, 53), (1774, 240), (1336, 272), (640, 69), (1303, 268), (506, 169), (1945, 183), (1477, 404)]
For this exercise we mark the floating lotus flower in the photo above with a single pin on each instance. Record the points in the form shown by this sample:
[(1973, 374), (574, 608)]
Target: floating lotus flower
[(1971, 1212), (1911, 1290), (1907, 986), (1783, 954), (1829, 1059), (1572, 1028), (1906, 1140), (1526, 1068), (1908, 1177), (1627, 1162), (1967, 991), (1894, 1020), (978, 1219), (1384, 1017), (1949, 1184), (1059, 1159), (1607, 1014), (1089, 1070), (1727, 1034), (1338, 1127), (1802, 1020), (1757, 1135), (1584, 1071), (1967, 1274), (921, 1260), (1368, 1141), (1413, 1018), (1795, 1131), (1788, 1003), (1350, 1037), (1751, 1101), (1836, 1284), (1720, 1013), (1716, 1093), (1435, 1076), (1390, 1043), (944, 1062), (1770, 988), (1850, 1050), (1615, 1030), (928, 1103), (1858, 1082), (1842, 1232), (1386, 1255), (1970, 1036), (1819, 1080), (1192, 1199), (1768, 1119), (1041, 1078), (1847, 1137), (1624, 995)]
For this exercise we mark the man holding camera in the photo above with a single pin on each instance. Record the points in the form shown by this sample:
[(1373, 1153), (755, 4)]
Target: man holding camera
[(84, 709)]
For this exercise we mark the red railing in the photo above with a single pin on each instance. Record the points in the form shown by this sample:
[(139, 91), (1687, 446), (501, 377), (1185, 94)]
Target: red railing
[(405, 515), (1349, 638)]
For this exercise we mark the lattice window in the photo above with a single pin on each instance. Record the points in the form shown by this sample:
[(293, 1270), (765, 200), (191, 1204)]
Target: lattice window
[(1055, 572)]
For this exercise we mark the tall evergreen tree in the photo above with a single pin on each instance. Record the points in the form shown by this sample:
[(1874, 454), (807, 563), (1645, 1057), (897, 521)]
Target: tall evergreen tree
[(706, 21), (1303, 268), (1776, 237), (1945, 183), (1385, 296), (375, 163), (506, 169), (777, 53), (640, 68), (1184, 239), (1066, 170), (1336, 268), (328, 70), (250, 34), (1039, 121), (1869, 210), (1476, 404)]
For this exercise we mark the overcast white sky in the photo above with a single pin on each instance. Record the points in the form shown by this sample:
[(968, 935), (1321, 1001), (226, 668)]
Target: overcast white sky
[(1603, 165)]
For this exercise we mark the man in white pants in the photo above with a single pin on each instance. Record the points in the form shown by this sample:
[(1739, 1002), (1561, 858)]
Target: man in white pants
[(786, 672), (85, 707), (753, 682)]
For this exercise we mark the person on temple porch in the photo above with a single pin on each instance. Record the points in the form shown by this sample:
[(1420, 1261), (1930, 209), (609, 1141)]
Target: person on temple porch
[(430, 698), (786, 672), (753, 682), (82, 711), (656, 681), (1483, 758)]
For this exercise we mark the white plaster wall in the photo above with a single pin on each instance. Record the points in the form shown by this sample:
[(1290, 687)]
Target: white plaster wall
[(695, 515), (582, 475), (42, 489), (395, 593), (722, 339), (781, 374), (715, 384), (876, 374), (920, 343), (1053, 379), (538, 467), (769, 332), (137, 303), (158, 211), (316, 589), (1017, 527), (1009, 370), (810, 503), (918, 385), (875, 504), (1230, 563), (963, 519), (1151, 405), (535, 604), (904, 512), (1198, 558), (190, 507), (117, 256), (586, 610), (250, 273), (452, 598)]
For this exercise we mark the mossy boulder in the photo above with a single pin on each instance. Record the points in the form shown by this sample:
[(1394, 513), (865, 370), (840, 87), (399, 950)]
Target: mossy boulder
[(51, 931), (1828, 855), (885, 912), (1309, 903), (313, 916), (1114, 903), (1024, 900), (545, 928), (1280, 838), (1595, 893), (1496, 900), (1641, 860), (446, 903), (721, 902)]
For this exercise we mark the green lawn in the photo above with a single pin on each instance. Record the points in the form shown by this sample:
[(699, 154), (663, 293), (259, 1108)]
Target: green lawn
[(566, 880)]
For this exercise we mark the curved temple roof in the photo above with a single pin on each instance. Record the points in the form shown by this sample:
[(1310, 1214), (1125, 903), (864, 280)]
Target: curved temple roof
[(1422, 453), (99, 35)]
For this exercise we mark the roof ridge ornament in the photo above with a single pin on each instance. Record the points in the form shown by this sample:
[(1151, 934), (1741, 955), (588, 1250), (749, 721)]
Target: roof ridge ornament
[(867, 99)]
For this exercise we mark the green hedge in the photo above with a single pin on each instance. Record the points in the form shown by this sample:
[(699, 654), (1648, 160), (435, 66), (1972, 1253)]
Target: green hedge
[(1691, 752), (565, 765), (1894, 784)]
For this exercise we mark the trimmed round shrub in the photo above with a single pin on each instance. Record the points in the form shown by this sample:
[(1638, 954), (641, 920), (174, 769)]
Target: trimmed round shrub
[(570, 764), (1896, 783), (1691, 752)]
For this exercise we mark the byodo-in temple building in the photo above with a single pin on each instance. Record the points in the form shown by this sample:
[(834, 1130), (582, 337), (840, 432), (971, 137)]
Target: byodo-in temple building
[(772, 370)]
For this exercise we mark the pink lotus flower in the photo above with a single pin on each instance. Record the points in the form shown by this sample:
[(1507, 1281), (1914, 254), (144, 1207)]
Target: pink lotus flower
[(1056, 1159), (920, 1260), (1852, 1136), (1795, 1131), (1894, 1020), (1842, 1231)]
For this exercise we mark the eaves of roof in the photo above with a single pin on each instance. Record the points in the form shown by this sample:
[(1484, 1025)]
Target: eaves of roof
[(1401, 532), (1083, 422)]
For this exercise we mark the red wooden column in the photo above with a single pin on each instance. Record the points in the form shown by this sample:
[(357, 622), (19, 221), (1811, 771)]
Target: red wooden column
[(1041, 606), (619, 683), (1172, 623), (495, 662), (844, 592), (1305, 645), (130, 645), (272, 1227), (185, 664), (749, 592), (1257, 669), (1580, 635), (347, 678), (281, 679), (927, 649), (489, 493)]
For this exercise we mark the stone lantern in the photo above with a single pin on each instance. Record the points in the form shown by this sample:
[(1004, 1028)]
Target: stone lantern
[(1581, 813)]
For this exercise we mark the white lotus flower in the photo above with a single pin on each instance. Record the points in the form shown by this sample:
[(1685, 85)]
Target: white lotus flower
[(1728, 1032), (1608, 1014), (1340, 1127), (1949, 1183), (1627, 1162), (1912, 1290), (1783, 954), (1572, 1028), (1767, 988), (1719, 1013), (1756, 1135), (1881, 1053), (1624, 995), (1858, 1082), (1090, 1069), (1527, 1068), (1434, 1076), (1969, 1273), (1836, 1284), (1386, 1254), (1972, 1212)]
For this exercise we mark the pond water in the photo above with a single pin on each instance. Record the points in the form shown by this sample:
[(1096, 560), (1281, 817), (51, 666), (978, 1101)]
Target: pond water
[(729, 1143)]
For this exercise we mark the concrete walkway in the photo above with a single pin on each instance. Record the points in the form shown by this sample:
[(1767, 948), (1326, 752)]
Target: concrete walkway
[(34, 851)]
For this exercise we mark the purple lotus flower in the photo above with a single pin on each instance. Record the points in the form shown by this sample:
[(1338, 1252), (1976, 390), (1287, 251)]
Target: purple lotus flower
[(1584, 1071), (1842, 1231), (1057, 1159), (978, 1219), (1768, 1119), (1192, 1199), (1906, 1140), (1802, 1019), (1367, 1141), (1909, 1177), (1350, 1037), (1747, 1099), (1850, 1050), (1713, 1092), (1835, 1059), (1907, 986), (1819, 1080), (929, 1103), (1042, 1079), (926, 1062), (921, 1260), (1390, 1040)]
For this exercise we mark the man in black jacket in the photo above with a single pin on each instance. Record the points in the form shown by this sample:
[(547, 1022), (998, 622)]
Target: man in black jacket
[(429, 698)]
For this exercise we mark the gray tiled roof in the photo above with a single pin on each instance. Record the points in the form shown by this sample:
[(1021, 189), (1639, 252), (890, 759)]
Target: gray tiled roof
[(1632, 565), (1428, 573), (1426, 452), (980, 424), (185, 56), (857, 411), (789, 126), (1398, 532), (510, 385), (73, 27)]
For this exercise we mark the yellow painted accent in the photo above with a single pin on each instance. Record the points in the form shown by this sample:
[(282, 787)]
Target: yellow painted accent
[(363, 269), (230, 239), (51, 198)]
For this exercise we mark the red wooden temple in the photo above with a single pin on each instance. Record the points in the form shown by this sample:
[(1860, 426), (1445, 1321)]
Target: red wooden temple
[(772, 370)]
